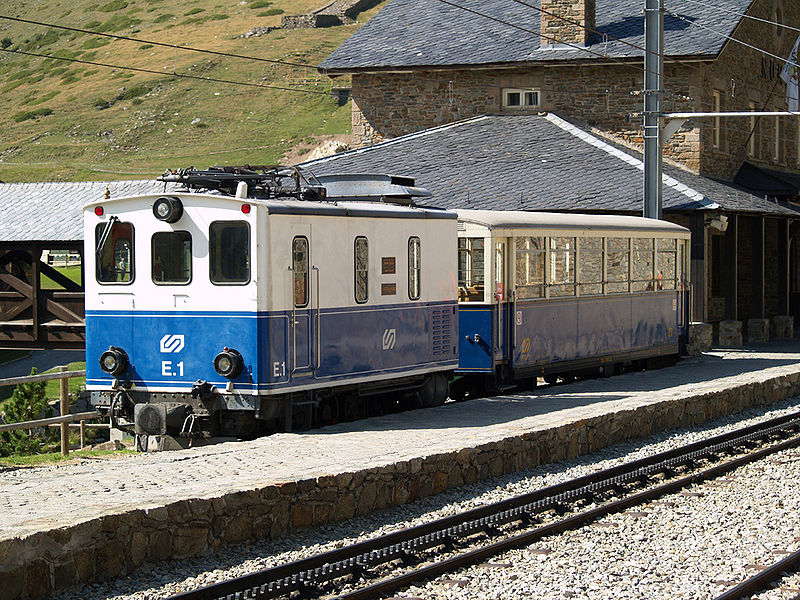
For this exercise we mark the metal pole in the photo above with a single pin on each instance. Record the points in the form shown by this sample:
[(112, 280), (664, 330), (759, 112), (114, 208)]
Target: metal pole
[(653, 86), (64, 407)]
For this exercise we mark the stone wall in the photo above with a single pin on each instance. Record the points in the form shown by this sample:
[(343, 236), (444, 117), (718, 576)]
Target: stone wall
[(599, 95), (111, 546)]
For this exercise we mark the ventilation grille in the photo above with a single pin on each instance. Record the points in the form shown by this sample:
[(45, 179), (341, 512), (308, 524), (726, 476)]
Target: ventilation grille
[(442, 331)]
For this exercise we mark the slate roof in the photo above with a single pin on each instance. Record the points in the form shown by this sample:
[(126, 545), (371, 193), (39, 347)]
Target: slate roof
[(424, 33), (530, 162), (53, 211)]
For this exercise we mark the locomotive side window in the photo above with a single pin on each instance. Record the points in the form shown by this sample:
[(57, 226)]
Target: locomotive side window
[(562, 266), (229, 252), (618, 258), (171, 253), (643, 279), (300, 270), (530, 267), (114, 252), (361, 268), (414, 268), (666, 265), (591, 266)]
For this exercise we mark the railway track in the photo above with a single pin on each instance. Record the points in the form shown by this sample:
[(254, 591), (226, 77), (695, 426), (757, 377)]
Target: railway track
[(380, 566)]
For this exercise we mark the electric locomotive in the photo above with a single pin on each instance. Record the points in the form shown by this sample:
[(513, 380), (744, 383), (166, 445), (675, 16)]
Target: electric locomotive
[(248, 300)]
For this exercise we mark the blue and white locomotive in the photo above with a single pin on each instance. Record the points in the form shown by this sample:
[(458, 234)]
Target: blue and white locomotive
[(266, 301), (253, 300)]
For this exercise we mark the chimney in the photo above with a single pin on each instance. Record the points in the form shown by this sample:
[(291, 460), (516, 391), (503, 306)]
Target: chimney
[(567, 22)]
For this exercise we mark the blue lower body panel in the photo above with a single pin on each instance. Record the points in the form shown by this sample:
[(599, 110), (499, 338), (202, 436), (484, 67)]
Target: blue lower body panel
[(323, 348)]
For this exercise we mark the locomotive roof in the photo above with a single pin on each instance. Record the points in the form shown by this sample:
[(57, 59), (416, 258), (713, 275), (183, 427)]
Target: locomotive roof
[(516, 219), (338, 208)]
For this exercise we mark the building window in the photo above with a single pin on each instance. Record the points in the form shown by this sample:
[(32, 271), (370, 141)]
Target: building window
[(716, 123), (751, 142), (521, 98)]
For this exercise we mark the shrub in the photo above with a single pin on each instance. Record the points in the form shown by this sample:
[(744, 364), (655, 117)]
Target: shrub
[(27, 403), (259, 4), (164, 17), (270, 12), (5, 42), (113, 5), (193, 11), (32, 114)]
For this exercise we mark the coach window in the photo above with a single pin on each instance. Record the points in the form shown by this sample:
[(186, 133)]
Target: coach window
[(171, 255), (470, 269), (617, 258), (562, 266), (643, 277), (529, 268), (361, 270), (114, 245), (414, 268), (666, 264), (300, 270), (229, 252), (591, 266)]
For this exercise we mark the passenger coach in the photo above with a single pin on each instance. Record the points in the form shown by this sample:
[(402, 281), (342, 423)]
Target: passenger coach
[(234, 313), (559, 295)]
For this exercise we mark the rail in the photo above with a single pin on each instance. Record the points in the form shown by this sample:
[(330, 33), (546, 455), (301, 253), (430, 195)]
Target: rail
[(65, 419)]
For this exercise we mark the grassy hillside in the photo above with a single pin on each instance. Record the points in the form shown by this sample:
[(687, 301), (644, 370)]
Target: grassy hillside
[(71, 121)]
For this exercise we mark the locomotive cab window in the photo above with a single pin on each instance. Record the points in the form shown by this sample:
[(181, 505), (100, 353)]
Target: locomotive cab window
[(361, 268), (171, 255), (114, 249), (229, 252)]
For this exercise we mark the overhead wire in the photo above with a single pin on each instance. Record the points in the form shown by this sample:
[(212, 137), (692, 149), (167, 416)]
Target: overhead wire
[(162, 73), (155, 43), (743, 15)]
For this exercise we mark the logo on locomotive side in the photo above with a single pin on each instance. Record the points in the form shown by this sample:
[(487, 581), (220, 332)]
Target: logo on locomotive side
[(389, 338), (172, 343)]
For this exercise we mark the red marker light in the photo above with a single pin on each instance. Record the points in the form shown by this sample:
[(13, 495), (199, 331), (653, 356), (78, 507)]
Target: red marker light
[(98, 210), (246, 209)]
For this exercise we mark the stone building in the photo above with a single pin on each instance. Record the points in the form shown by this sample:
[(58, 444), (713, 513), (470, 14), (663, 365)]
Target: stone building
[(419, 64)]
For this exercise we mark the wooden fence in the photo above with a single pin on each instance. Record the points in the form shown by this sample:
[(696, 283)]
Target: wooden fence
[(65, 419)]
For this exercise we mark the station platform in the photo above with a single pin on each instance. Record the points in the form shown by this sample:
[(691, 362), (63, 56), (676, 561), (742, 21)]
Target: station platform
[(96, 519)]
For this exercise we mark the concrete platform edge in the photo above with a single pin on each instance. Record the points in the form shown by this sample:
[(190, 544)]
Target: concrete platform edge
[(37, 565)]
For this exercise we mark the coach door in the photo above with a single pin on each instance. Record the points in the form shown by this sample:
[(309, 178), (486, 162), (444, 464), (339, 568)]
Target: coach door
[(499, 298), (302, 287)]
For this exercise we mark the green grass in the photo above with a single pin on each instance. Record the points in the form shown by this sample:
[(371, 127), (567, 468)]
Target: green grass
[(101, 123), (73, 272), (75, 384), (55, 457)]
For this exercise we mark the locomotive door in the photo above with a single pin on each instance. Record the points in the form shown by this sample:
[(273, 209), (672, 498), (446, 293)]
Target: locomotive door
[(300, 319)]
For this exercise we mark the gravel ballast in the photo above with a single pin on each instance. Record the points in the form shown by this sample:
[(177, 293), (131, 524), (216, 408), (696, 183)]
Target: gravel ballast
[(694, 544)]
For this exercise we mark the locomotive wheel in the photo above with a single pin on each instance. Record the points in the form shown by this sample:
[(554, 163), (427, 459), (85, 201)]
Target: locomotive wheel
[(434, 391)]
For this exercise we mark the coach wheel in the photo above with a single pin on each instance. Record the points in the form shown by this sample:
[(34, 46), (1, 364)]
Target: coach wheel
[(550, 378)]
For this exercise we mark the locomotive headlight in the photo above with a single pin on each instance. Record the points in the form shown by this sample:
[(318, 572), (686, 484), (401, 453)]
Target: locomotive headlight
[(114, 361), (168, 209), (228, 363)]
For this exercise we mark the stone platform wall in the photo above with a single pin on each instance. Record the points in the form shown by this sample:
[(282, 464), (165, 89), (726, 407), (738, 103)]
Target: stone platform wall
[(111, 546)]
